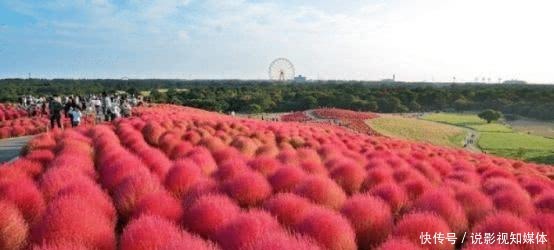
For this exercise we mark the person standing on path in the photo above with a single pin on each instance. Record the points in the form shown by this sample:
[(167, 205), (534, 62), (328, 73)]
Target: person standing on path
[(55, 107)]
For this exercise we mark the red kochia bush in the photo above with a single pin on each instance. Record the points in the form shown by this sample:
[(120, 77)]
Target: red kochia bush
[(151, 232), (545, 202), (71, 219), (349, 176), (246, 228), (231, 168), (321, 190), (30, 167), (25, 196), (160, 204), (544, 222), (131, 190), (475, 204), (503, 222), (182, 176), (248, 189), (411, 226), (392, 194), (288, 208), (60, 246), (203, 159), (282, 241), (441, 203), (93, 194), (209, 213), (517, 202), (13, 228), (265, 165), (399, 244), (286, 178), (370, 217), (330, 229)]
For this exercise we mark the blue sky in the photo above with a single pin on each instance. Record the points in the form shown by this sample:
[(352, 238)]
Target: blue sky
[(327, 39)]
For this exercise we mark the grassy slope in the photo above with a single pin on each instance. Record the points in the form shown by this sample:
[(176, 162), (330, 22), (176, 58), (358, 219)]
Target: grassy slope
[(501, 140), (419, 130)]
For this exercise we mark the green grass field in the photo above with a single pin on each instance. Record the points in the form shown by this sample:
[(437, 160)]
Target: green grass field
[(502, 140), (419, 130), (455, 119)]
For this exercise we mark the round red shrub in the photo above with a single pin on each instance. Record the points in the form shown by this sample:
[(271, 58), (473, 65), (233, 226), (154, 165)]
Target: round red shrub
[(248, 189), (71, 219), (231, 168), (376, 176), (517, 202), (203, 159), (55, 179), (25, 196), (392, 194), (181, 150), (181, 177), (131, 190), (314, 168), (349, 176), (544, 223), (156, 161), (475, 204), (159, 204), (545, 202), (32, 168), (13, 228), (399, 244), (412, 225), (443, 204), (286, 178), (330, 229), (246, 228), (209, 213), (370, 217), (43, 156), (152, 232), (202, 187), (502, 223), (265, 165), (61, 246), (321, 190), (288, 208), (282, 241), (93, 194)]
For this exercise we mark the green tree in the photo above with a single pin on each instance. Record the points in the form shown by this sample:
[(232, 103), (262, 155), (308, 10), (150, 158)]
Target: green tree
[(490, 115)]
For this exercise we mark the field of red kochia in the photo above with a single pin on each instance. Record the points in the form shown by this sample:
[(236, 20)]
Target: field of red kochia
[(181, 178)]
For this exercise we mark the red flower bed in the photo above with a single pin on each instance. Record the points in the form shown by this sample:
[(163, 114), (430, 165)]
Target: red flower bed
[(10, 111), (295, 117), (182, 178), (339, 114)]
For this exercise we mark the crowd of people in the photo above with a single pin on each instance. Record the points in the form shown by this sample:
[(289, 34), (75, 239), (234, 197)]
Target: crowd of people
[(104, 107)]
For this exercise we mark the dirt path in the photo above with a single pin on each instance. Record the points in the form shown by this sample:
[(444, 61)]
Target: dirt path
[(10, 148), (471, 140)]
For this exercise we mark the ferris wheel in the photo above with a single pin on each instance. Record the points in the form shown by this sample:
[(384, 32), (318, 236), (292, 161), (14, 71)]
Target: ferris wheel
[(281, 69)]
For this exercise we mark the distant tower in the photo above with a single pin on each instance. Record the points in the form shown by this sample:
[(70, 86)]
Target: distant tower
[(29, 75), (499, 80), (454, 79), (394, 77)]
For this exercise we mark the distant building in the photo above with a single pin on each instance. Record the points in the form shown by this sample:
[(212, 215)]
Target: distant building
[(300, 78)]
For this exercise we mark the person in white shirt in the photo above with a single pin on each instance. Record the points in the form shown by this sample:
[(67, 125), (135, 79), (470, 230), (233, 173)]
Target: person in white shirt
[(76, 116)]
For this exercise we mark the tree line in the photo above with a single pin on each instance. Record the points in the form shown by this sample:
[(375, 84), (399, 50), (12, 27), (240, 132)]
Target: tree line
[(530, 100)]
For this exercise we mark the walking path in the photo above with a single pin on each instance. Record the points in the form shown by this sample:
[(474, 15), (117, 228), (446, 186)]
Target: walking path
[(471, 140), (10, 148)]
